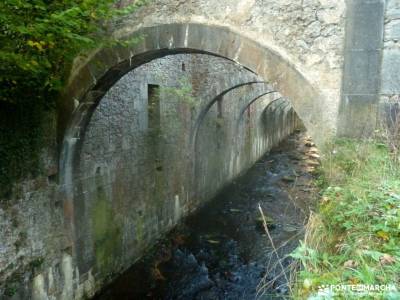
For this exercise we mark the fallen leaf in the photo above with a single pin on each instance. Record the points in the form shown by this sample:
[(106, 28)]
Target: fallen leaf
[(213, 241), (179, 240), (288, 178), (354, 280), (383, 235), (157, 274)]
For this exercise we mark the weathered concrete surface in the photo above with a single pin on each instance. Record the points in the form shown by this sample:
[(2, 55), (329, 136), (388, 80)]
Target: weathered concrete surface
[(362, 67)]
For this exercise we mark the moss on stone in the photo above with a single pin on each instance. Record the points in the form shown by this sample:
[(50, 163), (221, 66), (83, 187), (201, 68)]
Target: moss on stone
[(106, 232), (24, 129)]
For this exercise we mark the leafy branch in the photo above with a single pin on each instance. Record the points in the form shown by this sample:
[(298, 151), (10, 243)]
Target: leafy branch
[(40, 38)]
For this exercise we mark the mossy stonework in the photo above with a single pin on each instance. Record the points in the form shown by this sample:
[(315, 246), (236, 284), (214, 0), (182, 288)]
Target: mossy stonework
[(136, 173), (143, 135)]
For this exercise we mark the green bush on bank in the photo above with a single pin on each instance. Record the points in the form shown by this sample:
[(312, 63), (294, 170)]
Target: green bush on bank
[(354, 239)]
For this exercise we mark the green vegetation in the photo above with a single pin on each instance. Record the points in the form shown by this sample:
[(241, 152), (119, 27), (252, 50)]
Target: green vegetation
[(183, 92), (39, 40), (106, 231), (355, 236)]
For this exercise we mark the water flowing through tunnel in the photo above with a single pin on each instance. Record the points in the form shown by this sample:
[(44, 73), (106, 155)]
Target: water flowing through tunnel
[(163, 140), (155, 135)]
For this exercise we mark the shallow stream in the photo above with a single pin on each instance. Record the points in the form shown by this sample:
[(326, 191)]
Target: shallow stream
[(223, 251)]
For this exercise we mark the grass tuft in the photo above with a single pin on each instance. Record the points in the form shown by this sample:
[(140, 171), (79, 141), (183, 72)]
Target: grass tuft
[(354, 239)]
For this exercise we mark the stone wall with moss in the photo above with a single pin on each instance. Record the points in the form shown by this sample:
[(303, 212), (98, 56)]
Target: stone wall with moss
[(138, 172)]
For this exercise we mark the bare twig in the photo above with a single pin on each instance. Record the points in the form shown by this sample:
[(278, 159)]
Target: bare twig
[(273, 246)]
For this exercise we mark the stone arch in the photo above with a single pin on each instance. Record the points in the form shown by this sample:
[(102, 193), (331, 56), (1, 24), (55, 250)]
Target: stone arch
[(253, 101), (265, 89), (102, 69), (92, 78), (275, 112), (204, 112), (270, 124)]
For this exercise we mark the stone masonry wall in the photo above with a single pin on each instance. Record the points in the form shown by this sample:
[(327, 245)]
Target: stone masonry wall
[(390, 87), (138, 173), (309, 33)]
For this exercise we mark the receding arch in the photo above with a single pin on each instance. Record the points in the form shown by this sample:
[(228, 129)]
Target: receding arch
[(204, 112), (251, 102), (266, 89), (92, 78), (102, 69)]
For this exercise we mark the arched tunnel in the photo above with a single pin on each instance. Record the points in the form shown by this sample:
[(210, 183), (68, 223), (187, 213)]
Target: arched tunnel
[(164, 139), (158, 129)]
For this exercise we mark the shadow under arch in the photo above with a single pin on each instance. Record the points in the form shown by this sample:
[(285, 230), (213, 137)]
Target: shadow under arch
[(273, 114), (266, 89), (90, 81), (240, 119), (204, 112), (239, 126), (92, 78)]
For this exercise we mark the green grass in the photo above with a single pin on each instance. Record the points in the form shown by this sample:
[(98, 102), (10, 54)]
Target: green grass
[(354, 238)]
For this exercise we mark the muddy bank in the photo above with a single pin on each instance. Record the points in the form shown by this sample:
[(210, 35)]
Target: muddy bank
[(223, 251)]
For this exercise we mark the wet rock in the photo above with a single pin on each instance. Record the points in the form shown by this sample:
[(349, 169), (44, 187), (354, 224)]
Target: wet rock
[(191, 260), (234, 277), (289, 178), (234, 263), (260, 223), (313, 155), (191, 278), (282, 289), (289, 228), (203, 255), (208, 294), (203, 268), (312, 163), (313, 150), (309, 144), (296, 156)]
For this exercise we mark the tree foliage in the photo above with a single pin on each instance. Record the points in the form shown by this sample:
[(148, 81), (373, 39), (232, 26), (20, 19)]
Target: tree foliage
[(40, 38)]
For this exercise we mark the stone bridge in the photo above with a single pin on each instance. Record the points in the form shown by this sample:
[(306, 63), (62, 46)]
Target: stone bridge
[(149, 132)]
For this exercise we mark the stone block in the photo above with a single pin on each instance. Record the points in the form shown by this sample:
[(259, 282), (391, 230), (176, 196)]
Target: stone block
[(392, 30), (364, 28), (392, 9), (358, 116), (390, 71), (361, 72)]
